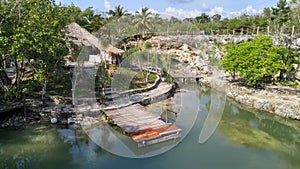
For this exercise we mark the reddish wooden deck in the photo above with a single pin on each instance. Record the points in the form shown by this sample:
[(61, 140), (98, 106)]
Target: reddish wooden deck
[(150, 133), (142, 125)]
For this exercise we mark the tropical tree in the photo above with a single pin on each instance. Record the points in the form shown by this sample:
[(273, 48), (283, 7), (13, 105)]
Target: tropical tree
[(295, 7), (31, 34), (216, 18), (234, 23), (102, 80), (281, 14), (143, 21), (118, 12), (203, 18), (90, 20), (256, 61)]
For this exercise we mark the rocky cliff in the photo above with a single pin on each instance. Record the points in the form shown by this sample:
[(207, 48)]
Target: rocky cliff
[(197, 52)]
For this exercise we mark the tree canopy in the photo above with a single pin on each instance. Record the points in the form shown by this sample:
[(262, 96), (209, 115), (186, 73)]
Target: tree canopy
[(258, 61), (31, 34)]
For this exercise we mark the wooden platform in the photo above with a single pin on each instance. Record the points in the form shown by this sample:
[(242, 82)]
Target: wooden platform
[(142, 125)]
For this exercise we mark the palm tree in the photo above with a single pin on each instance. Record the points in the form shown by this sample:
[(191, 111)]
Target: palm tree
[(118, 12), (143, 22)]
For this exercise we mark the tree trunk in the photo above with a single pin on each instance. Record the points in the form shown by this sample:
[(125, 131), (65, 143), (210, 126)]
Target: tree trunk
[(4, 78), (44, 89), (17, 81)]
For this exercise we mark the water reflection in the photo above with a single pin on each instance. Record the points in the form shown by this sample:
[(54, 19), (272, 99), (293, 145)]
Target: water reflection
[(258, 129), (243, 140), (262, 131)]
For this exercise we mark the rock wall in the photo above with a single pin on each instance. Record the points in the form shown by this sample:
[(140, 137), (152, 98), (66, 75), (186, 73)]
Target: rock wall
[(284, 104), (172, 42), (195, 50)]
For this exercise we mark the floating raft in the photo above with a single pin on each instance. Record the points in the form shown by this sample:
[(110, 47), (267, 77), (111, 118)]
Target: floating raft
[(142, 125)]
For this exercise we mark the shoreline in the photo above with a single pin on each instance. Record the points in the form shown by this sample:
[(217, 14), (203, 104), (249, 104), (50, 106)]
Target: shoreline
[(274, 100), (267, 100), (280, 100)]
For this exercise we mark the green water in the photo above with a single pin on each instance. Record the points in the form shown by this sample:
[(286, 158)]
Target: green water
[(244, 140)]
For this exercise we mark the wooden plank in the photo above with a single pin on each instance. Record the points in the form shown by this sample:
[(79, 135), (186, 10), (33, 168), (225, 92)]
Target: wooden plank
[(147, 126), (158, 139), (147, 134)]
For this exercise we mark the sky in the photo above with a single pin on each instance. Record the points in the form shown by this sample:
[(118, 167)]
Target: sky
[(180, 8)]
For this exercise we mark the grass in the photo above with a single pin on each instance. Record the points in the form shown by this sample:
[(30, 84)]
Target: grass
[(112, 123), (125, 79), (139, 80)]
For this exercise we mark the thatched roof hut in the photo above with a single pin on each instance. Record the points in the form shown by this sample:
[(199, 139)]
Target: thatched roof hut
[(113, 51), (80, 36)]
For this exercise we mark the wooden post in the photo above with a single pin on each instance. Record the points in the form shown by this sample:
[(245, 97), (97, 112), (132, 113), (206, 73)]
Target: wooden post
[(257, 30), (24, 91), (233, 31), (166, 117), (268, 30), (293, 29), (44, 88)]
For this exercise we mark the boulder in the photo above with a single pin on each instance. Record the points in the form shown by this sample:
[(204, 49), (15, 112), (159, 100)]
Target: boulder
[(297, 42)]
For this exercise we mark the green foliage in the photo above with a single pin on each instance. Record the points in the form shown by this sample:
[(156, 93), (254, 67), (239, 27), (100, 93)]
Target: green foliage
[(216, 18), (281, 13), (234, 23), (103, 79), (11, 95), (130, 52), (148, 45), (256, 61), (33, 30), (90, 20), (138, 81), (169, 79), (142, 20), (203, 18), (118, 12)]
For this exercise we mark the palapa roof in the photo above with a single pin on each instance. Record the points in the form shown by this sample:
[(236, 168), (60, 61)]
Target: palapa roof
[(81, 36), (113, 50)]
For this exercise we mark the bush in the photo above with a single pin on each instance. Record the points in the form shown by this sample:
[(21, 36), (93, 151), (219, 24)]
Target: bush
[(129, 52), (256, 61), (148, 45)]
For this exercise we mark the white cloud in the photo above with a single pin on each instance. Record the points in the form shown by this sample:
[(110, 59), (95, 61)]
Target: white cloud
[(249, 10), (216, 10), (204, 5), (233, 14), (153, 11), (107, 4), (181, 13)]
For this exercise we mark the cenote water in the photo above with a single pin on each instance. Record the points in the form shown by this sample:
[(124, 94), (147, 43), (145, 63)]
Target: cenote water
[(244, 139)]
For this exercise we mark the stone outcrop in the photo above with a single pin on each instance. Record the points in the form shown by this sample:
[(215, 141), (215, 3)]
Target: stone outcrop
[(195, 51), (284, 104)]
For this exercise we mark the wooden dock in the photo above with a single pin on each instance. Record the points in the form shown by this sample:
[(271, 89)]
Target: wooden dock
[(142, 125)]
